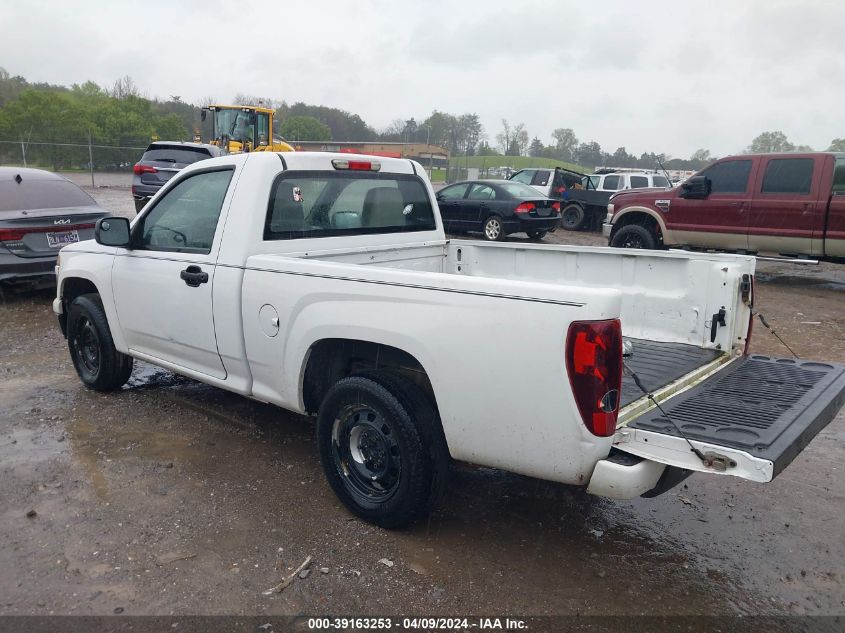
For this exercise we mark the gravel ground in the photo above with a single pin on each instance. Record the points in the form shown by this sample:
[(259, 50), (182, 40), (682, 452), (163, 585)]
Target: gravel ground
[(171, 497)]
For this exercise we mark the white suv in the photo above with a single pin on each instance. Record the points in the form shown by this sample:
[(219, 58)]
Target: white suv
[(617, 181)]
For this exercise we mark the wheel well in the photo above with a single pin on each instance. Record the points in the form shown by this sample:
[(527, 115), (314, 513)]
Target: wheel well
[(76, 286), (642, 219), (331, 360)]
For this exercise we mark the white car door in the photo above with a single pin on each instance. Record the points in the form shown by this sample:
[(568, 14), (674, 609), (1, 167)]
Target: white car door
[(163, 283)]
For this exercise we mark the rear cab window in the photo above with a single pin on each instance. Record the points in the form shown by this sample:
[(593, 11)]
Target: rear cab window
[(612, 183), (839, 177), (308, 204), (541, 178), (788, 176)]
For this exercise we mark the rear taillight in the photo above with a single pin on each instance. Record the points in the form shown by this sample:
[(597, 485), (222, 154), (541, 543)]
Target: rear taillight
[(594, 365), (525, 207), (13, 235), (556, 206), (139, 169)]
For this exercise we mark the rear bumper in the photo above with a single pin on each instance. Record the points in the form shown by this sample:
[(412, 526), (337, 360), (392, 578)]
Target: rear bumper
[(624, 476), (532, 224), (25, 269)]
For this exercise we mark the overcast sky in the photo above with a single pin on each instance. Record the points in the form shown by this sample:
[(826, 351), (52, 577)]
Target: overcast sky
[(651, 76)]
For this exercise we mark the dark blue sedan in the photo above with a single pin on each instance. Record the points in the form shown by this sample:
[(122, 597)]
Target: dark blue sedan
[(497, 208)]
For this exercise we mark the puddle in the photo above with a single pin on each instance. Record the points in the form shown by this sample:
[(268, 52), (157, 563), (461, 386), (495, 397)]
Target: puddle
[(95, 447), (26, 447)]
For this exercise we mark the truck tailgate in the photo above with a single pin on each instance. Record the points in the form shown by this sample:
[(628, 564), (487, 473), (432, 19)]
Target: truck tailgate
[(754, 416)]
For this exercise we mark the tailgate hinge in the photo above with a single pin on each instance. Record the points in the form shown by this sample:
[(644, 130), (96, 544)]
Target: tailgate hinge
[(719, 463)]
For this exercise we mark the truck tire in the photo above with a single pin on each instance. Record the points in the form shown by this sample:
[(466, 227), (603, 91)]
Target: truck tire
[(573, 217), (379, 449), (537, 235), (494, 229), (633, 236), (99, 365)]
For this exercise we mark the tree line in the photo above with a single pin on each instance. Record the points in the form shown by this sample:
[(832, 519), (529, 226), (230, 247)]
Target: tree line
[(121, 116)]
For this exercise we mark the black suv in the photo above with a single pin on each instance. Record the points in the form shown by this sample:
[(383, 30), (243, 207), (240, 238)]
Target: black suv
[(160, 162)]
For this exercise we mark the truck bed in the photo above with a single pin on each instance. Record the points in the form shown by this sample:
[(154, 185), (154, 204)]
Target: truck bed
[(659, 364)]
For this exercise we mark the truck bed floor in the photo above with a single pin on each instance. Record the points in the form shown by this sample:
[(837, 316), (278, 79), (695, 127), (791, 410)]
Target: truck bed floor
[(657, 364)]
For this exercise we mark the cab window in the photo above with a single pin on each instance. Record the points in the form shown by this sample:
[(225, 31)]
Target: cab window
[(346, 203), (639, 182), (839, 177), (788, 175), (185, 219), (729, 176), (455, 192), (481, 192)]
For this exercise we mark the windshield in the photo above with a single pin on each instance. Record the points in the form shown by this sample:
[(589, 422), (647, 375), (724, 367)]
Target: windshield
[(42, 194), (236, 124)]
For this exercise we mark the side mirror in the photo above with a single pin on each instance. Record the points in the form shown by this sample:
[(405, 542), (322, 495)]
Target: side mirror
[(203, 114), (696, 187), (112, 232)]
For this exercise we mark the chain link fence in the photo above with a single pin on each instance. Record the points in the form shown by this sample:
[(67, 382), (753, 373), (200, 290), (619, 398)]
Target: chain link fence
[(76, 155)]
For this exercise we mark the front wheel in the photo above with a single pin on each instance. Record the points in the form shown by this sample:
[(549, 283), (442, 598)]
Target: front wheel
[(633, 236), (377, 449), (494, 230), (573, 217), (99, 365)]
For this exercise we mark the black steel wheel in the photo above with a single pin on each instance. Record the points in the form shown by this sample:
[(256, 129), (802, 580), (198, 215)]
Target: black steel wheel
[(96, 360), (376, 450), (573, 217), (633, 236), (537, 235)]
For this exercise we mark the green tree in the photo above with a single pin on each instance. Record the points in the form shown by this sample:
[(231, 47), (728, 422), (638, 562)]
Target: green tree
[(305, 128), (536, 147), (837, 145), (770, 142), (565, 143)]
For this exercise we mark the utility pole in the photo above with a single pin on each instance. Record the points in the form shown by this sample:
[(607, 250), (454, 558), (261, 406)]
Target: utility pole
[(23, 151), (90, 159)]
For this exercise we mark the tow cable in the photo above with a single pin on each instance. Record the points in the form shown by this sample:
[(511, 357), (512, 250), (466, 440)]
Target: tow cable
[(769, 327), (704, 459)]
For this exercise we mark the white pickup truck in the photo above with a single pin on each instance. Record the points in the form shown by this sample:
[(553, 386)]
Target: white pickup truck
[(324, 284)]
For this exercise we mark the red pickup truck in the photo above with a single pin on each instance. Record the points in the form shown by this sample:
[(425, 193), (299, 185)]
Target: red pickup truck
[(792, 204)]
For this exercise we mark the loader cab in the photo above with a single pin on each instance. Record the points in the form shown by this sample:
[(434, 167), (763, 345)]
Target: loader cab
[(240, 128)]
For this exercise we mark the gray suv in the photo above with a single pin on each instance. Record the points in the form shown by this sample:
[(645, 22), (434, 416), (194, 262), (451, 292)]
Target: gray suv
[(160, 162)]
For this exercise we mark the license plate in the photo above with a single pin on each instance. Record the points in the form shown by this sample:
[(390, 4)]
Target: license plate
[(57, 240)]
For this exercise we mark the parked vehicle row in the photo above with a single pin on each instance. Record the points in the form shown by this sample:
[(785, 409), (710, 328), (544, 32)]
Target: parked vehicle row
[(791, 204), (324, 283), (584, 198)]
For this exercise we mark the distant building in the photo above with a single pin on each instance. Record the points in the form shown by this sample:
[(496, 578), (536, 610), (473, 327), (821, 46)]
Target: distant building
[(426, 155)]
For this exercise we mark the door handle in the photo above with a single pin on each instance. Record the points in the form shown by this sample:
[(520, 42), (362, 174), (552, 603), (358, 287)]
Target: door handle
[(194, 276)]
